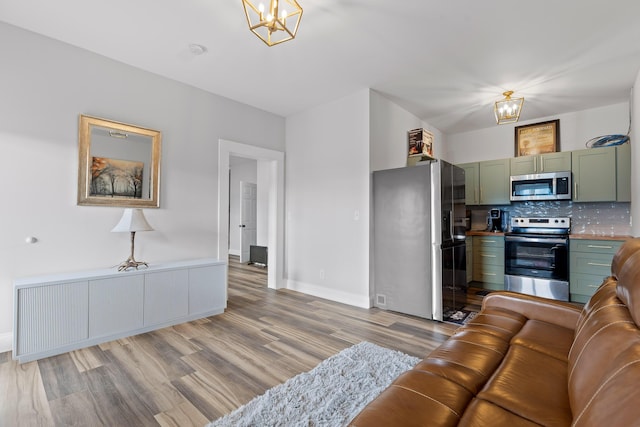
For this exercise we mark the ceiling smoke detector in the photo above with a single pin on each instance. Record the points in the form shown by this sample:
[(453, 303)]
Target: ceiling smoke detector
[(197, 49)]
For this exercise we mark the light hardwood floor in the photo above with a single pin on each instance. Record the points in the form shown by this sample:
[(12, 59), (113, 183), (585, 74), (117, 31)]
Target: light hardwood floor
[(195, 372)]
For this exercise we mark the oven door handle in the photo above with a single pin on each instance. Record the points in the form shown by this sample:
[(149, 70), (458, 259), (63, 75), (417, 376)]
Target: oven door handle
[(535, 240)]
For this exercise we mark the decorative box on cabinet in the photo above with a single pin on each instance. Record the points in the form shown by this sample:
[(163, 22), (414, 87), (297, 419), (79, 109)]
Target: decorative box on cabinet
[(59, 313), (488, 261), (589, 263)]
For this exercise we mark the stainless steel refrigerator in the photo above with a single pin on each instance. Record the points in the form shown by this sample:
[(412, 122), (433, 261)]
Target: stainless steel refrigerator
[(419, 258)]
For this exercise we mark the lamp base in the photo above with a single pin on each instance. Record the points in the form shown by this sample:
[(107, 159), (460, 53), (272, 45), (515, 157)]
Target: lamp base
[(131, 263)]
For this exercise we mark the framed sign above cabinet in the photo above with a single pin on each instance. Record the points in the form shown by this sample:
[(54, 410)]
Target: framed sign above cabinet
[(119, 164), (537, 138)]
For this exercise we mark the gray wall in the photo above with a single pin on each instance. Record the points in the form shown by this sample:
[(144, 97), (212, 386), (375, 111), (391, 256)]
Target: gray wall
[(45, 85)]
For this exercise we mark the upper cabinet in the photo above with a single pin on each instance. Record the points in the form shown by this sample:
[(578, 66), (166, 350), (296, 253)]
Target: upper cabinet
[(494, 182), (594, 174), (487, 183), (623, 172), (541, 163), (471, 178), (599, 175)]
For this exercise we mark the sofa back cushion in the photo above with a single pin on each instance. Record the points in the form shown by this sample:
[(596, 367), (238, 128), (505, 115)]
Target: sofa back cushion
[(604, 360), (626, 268)]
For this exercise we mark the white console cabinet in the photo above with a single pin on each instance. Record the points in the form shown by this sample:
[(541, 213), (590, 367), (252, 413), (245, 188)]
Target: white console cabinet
[(59, 313)]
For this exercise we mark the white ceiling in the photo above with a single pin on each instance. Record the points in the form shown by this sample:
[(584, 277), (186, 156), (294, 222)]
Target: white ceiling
[(445, 61)]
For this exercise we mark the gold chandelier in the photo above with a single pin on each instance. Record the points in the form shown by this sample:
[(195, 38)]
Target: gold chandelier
[(276, 23), (508, 109)]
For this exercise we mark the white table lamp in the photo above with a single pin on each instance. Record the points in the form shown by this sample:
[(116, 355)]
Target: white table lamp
[(132, 220)]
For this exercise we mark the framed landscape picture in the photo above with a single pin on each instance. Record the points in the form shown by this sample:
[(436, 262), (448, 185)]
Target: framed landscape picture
[(537, 138)]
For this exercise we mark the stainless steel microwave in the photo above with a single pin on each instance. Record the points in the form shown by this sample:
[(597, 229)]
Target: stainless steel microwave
[(541, 186)]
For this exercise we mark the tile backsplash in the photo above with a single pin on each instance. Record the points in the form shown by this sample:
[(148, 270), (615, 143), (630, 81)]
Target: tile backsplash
[(597, 219)]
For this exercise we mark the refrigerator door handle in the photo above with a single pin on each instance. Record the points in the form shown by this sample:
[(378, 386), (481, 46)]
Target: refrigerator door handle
[(451, 225)]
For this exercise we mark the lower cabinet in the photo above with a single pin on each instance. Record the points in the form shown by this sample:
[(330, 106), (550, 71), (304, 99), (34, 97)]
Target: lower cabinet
[(590, 262), (59, 313), (488, 261), (115, 305), (469, 258)]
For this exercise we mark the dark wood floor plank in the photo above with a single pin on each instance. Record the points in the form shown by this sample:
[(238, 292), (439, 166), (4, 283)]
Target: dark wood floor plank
[(60, 376), (114, 408)]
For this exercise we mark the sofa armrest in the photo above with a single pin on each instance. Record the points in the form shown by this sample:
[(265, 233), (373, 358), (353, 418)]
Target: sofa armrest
[(559, 313)]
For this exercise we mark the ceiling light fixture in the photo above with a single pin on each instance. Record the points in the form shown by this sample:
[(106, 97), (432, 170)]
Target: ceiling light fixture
[(508, 109), (276, 24)]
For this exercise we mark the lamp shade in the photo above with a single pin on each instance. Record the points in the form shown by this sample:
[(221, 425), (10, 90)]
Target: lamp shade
[(132, 220)]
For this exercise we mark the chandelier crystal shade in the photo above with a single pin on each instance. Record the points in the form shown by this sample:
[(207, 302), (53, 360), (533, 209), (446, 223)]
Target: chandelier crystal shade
[(274, 22), (508, 109)]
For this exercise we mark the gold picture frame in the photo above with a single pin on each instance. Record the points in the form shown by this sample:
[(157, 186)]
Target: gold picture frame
[(119, 164), (537, 138)]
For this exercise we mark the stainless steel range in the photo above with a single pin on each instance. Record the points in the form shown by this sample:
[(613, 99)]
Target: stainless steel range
[(537, 257)]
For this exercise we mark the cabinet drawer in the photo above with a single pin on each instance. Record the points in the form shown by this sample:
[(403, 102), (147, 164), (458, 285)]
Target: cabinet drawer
[(583, 263), (483, 242), (489, 274), (608, 247), (584, 284), (489, 256)]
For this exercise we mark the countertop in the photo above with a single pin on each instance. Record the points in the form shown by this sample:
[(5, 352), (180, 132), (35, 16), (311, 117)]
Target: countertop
[(598, 237), (571, 236), (484, 233)]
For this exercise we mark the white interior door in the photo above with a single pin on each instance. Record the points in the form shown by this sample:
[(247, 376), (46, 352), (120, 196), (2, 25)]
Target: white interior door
[(248, 218)]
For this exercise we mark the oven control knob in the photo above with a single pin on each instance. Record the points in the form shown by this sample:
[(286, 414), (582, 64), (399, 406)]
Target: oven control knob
[(557, 221)]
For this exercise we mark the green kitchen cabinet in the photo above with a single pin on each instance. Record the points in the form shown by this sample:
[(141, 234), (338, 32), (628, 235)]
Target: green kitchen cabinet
[(594, 174), (487, 183), (623, 173), (469, 258), (488, 261), (541, 163), (494, 182), (589, 263), (471, 178)]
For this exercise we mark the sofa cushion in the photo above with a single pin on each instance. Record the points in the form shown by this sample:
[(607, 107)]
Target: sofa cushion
[(468, 359), (552, 340), (481, 413), (627, 271), (532, 385), (604, 362), (416, 398)]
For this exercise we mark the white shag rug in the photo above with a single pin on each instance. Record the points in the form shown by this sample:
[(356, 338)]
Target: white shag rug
[(331, 394)]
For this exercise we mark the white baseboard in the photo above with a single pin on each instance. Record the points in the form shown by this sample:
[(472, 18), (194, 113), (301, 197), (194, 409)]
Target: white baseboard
[(6, 342), (235, 252), (362, 301)]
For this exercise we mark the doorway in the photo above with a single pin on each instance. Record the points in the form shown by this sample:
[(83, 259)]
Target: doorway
[(272, 162), (248, 219)]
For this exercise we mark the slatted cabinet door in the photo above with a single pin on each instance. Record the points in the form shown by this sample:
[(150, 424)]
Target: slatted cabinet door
[(43, 328)]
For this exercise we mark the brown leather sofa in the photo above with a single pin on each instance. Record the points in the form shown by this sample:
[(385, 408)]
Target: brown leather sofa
[(528, 361)]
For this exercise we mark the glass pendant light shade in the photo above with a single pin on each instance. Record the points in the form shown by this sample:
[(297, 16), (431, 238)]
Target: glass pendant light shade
[(508, 109), (274, 21)]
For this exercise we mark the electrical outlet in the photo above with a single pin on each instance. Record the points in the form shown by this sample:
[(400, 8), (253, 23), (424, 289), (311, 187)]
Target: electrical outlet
[(321, 274)]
